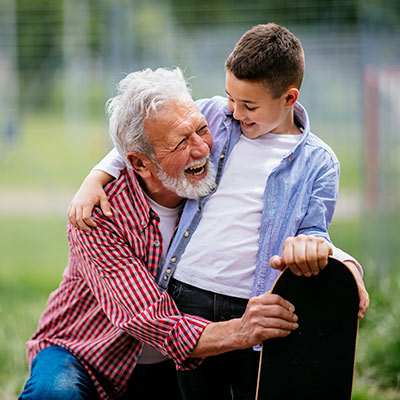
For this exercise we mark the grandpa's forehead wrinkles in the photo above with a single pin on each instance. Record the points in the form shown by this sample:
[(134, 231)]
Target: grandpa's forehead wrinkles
[(190, 123)]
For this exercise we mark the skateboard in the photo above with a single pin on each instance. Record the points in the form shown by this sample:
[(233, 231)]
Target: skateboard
[(317, 360)]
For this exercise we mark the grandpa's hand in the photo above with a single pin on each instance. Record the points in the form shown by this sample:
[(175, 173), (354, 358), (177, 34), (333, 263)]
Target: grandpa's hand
[(267, 316)]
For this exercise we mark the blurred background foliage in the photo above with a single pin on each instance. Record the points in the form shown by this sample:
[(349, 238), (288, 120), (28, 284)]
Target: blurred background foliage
[(60, 61)]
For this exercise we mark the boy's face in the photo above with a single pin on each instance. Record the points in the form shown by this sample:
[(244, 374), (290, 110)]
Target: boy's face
[(256, 110)]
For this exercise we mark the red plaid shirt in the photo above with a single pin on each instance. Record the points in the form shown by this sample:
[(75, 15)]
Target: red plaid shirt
[(108, 302)]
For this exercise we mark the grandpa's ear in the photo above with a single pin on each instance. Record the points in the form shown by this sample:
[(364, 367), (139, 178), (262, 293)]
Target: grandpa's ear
[(140, 163)]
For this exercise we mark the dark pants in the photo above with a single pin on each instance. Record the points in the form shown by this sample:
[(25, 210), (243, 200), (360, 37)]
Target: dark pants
[(154, 382), (58, 375), (226, 376)]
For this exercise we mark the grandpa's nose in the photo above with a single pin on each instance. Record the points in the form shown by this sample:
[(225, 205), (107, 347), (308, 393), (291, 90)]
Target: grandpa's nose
[(199, 147)]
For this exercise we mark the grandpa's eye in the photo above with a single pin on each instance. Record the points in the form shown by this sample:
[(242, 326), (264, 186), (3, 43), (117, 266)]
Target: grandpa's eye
[(180, 144), (203, 130)]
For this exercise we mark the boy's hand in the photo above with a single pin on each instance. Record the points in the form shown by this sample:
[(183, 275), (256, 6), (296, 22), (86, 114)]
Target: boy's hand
[(307, 255), (303, 254), (89, 195), (362, 291)]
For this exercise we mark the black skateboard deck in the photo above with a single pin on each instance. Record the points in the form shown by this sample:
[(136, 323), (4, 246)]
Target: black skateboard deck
[(316, 361)]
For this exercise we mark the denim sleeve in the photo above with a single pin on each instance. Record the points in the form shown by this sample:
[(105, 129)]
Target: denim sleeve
[(322, 202)]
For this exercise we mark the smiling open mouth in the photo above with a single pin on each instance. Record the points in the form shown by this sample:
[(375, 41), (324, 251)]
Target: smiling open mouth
[(196, 169), (247, 125)]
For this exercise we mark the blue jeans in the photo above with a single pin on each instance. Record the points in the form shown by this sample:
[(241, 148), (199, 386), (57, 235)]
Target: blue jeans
[(226, 376), (58, 375)]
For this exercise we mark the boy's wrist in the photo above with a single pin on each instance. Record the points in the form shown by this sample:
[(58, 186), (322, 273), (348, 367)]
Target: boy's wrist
[(99, 176)]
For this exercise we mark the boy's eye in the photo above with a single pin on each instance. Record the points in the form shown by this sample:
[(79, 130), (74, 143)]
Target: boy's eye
[(250, 108)]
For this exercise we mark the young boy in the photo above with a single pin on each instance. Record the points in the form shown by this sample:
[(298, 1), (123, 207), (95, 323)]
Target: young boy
[(275, 194)]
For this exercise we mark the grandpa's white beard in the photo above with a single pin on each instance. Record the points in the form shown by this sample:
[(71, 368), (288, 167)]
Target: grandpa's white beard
[(181, 185)]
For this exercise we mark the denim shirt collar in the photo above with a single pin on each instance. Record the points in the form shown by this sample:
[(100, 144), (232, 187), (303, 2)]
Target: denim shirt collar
[(300, 115)]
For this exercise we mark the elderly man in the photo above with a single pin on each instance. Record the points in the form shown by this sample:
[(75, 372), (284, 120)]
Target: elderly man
[(96, 337)]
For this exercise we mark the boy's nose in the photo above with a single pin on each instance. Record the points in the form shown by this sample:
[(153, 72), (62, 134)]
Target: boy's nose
[(237, 112)]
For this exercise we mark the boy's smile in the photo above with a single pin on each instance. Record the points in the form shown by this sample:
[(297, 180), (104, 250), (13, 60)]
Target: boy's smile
[(258, 112)]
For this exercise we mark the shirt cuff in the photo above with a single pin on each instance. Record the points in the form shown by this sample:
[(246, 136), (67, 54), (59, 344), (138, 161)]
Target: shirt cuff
[(343, 257), (183, 339)]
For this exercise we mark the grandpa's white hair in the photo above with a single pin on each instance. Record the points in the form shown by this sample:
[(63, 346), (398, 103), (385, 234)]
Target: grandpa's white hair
[(139, 95)]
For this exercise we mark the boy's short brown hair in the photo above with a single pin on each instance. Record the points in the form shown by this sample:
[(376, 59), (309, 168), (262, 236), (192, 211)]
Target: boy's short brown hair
[(269, 53)]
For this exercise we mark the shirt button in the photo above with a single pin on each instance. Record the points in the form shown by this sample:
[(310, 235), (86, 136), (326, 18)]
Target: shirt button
[(143, 222), (215, 185), (187, 233), (289, 159), (165, 277), (222, 156), (173, 259), (198, 209), (169, 270), (156, 243)]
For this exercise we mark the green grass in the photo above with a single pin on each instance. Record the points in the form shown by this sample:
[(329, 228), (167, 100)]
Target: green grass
[(33, 256), (49, 154), (378, 350)]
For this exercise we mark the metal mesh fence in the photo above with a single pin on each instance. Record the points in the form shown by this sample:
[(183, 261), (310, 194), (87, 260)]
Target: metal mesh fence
[(65, 56)]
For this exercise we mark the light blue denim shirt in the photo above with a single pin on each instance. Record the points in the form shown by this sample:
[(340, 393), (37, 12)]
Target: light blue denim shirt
[(299, 197)]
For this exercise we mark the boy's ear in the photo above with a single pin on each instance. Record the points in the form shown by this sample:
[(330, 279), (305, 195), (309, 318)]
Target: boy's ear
[(140, 164), (291, 96)]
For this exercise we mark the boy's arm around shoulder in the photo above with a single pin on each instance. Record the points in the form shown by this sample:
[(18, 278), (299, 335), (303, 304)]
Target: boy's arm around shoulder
[(91, 192)]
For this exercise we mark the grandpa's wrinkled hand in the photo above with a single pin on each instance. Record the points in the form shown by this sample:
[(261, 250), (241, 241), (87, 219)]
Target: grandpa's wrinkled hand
[(267, 316)]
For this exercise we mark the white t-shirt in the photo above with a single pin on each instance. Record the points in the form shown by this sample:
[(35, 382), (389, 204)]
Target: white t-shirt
[(168, 217), (221, 255)]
